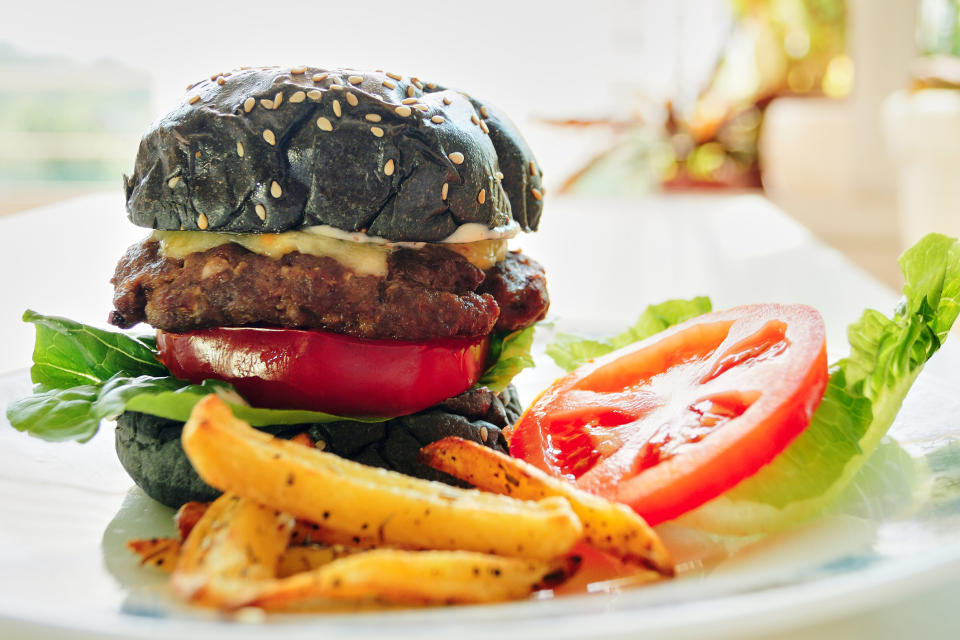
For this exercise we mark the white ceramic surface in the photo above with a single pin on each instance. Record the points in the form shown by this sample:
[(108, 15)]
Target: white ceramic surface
[(67, 509)]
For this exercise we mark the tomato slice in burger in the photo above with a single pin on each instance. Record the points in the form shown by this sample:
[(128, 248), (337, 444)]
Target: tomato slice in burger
[(329, 372), (670, 422)]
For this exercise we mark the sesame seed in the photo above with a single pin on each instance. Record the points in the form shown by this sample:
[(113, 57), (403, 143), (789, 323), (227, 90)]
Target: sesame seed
[(194, 99), (373, 117), (388, 168), (408, 101), (269, 137), (355, 79), (299, 96), (172, 182), (446, 100), (261, 211), (411, 91), (417, 82), (482, 196), (352, 99), (337, 111), (403, 112), (474, 119), (484, 433), (313, 94), (484, 127), (275, 189), (202, 221), (444, 190), (320, 77), (389, 85), (337, 87), (437, 119), (298, 71), (324, 124), (221, 81), (249, 104), (395, 76), (456, 157), (431, 85), (377, 131), (537, 195), (499, 175), (277, 99), (214, 76), (321, 445), (421, 107), (267, 103), (483, 112), (240, 149)]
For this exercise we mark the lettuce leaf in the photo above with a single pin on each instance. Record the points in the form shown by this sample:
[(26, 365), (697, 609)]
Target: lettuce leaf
[(862, 399), (570, 351), (509, 355)]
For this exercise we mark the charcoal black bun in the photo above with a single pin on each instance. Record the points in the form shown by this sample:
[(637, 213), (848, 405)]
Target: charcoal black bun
[(274, 149), (149, 447)]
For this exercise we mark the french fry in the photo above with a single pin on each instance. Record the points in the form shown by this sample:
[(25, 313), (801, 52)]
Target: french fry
[(161, 553), (188, 515), (363, 501), (306, 558), (417, 577), (304, 532), (232, 549), (608, 526)]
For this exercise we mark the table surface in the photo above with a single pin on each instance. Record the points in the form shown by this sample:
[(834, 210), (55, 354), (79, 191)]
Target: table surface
[(605, 260)]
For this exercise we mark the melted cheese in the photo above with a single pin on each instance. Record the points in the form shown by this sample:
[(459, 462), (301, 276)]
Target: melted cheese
[(361, 257)]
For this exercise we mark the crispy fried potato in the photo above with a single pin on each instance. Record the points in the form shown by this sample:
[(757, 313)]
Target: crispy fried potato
[(364, 501), (309, 557), (188, 515), (161, 553), (608, 526), (304, 532), (418, 577), (232, 549)]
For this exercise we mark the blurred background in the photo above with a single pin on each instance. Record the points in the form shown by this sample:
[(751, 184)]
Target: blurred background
[(846, 113)]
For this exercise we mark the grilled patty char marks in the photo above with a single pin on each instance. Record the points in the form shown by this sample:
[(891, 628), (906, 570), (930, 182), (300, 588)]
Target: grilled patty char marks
[(427, 293)]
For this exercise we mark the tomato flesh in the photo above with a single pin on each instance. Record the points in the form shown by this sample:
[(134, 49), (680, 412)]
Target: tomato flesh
[(671, 422), (320, 371)]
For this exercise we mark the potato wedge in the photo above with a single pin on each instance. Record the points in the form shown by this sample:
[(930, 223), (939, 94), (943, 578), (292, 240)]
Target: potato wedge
[(364, 501), (608, 526), (188, 515), (234, 547), (418, 577), (309, 557), (161, 553), (304, 531)]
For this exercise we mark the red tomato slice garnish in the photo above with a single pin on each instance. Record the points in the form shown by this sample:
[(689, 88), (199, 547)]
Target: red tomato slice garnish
[(320, 371), (670, 422)]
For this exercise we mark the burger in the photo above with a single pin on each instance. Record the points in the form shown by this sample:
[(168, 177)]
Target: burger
[(332, 241)]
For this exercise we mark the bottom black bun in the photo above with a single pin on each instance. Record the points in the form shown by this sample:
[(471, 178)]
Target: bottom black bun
[(149, 447)]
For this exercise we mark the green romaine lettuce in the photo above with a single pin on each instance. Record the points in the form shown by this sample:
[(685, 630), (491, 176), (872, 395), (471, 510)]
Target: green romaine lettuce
[(570, 351), (862, 399), (84, 375)]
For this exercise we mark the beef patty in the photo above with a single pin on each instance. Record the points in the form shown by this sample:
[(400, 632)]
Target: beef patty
[(427, 293)]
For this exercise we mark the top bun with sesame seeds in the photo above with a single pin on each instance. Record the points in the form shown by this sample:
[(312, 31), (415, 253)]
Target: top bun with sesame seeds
[(268, 150)]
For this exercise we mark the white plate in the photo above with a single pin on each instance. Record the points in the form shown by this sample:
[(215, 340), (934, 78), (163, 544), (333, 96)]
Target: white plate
[(68, 510)]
